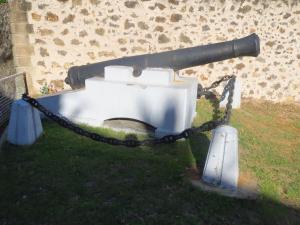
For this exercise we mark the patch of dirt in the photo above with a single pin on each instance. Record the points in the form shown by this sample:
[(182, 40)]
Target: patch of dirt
[(193, 173), (247, 185), (270, 107)]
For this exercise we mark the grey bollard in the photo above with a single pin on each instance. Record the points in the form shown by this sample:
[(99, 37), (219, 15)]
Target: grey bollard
[(221, 166), (25, 125), (237, 95)]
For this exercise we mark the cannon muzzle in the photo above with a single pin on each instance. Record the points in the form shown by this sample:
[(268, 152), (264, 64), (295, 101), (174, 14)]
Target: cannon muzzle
[(176, 59)]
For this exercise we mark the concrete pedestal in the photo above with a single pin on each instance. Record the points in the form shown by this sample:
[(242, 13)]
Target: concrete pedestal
[(222, 167), (25, 125), (157, 97)]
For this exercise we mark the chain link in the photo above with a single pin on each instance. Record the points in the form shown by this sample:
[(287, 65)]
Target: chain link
[(207, 126)]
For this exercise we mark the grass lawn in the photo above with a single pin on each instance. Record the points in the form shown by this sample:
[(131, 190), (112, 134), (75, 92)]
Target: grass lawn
[(68, 179)]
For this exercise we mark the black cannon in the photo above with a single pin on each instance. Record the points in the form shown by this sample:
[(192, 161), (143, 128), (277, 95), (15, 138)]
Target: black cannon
[(176, 59)]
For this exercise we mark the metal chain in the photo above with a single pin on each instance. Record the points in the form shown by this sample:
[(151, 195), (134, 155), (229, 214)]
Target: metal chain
[(210, 125), (205, 91)]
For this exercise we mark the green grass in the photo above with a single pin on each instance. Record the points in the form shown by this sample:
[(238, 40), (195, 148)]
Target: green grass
[(68, 179), (3, 1)]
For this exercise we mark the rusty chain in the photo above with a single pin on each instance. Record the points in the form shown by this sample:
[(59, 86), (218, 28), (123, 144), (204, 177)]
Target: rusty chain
[(207, 126)]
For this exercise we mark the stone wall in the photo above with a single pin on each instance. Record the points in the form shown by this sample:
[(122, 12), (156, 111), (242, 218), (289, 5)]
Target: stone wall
[(64, 33), (6, 62), (5, 36)]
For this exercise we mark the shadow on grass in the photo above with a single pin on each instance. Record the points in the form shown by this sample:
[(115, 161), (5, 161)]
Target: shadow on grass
[(199, 144), (67, 179)]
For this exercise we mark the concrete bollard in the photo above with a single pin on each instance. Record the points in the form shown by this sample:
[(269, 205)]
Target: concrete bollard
[(25, 125), (221, 166), (237, 95)]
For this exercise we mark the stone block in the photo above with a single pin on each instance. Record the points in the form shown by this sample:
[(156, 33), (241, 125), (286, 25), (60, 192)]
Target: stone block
[(29, 70), (20, 39), (20, 87), (18, 28), (19, 5), (25, 125), (23, 50), (22, 61), (118, 73), (18, 17), (156, 76), (29, 28)]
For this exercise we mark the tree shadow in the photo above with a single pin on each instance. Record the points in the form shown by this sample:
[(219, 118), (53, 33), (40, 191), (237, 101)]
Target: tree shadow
[(199, 144), (123, 187), (52, 185)]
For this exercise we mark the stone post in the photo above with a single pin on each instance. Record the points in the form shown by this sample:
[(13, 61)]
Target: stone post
[(22, 49)]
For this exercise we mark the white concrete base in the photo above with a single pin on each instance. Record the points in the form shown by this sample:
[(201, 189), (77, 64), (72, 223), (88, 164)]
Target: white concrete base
[(237, 96), (222, 167), (25, 125), (168, 104)]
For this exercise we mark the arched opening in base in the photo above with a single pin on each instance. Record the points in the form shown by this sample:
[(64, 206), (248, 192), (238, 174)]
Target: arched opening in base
[(129, 125)]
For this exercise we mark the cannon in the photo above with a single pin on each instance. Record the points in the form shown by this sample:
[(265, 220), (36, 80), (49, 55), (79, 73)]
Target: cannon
[(176, 59)]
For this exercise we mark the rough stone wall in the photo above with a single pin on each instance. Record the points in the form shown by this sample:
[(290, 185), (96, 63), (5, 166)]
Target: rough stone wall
[(65, 33), (6, 62), (5, 36)]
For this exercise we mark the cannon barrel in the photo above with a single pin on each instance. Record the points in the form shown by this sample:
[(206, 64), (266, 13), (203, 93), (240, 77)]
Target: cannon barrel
[(176, 59)]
